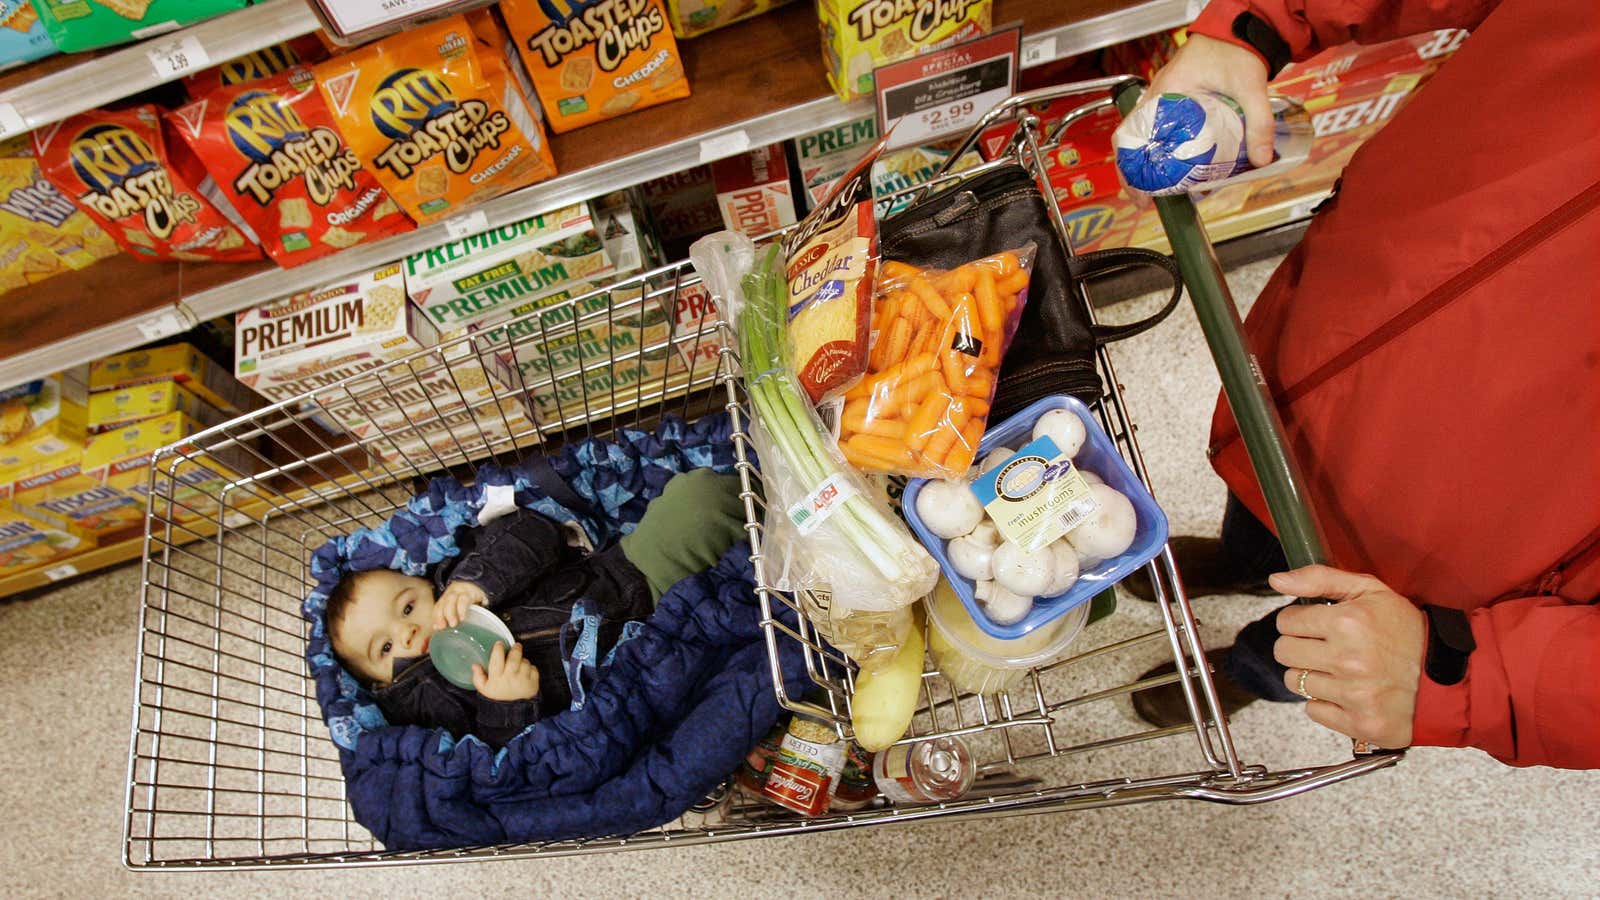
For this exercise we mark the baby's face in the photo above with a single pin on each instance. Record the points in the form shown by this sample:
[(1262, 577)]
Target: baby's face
[(390, 615)]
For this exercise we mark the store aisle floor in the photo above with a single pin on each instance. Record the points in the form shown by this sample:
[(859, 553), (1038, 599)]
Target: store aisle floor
[(1444, 823)]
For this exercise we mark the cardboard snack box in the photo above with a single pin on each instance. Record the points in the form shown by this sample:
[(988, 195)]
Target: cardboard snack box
[(173, 362), (121, 460), (113, 409), (28, 544), (858, 36), (317, 337), (753, 191)]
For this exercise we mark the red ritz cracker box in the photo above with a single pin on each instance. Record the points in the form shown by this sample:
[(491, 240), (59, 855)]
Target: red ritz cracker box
[(263, 63), (153, 198), (274, 151)]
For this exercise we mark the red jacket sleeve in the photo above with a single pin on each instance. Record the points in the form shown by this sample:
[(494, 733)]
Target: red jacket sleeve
[(1309, 26), (1530, 697)]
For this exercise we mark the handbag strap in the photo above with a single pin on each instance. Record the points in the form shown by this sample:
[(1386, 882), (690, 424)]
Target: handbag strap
[(1117, 259)]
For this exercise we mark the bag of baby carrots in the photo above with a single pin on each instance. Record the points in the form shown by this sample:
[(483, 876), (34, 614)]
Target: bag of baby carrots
[(937, 341)]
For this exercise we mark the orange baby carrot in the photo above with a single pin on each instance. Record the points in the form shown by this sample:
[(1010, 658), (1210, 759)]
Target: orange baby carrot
[(920, 427), (854, 417), (892, 270), (989, 309), (885, 428), (919, 364), (939, 446), (883, 448), (980, 382), (958, 281), (961, 456), (927, 335), (954, 365), (930, 298), (866, 462), (899, 342), (1012, 284), (1004, 263), (978, 406)]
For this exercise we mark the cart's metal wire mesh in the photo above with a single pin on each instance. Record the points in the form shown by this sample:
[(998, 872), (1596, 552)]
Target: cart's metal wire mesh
[(230, 764)]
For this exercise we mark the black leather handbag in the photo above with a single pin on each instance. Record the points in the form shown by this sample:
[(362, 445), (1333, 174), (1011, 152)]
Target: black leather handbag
[(1053, 350)]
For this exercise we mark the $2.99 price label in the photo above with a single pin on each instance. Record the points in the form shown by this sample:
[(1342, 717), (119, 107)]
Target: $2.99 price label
[(945, 92)]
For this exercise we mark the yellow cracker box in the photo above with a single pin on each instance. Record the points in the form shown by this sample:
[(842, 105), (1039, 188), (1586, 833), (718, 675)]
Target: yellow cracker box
[(174, 362), (591, 60), (120, 460), (42, 232), (861, 35), (434, 115), (41, 426), (26, 544), (67, 498), (125, 406), (692, 18)]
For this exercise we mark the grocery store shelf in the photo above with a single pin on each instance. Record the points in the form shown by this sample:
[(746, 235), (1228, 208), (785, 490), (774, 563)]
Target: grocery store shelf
[(755, 83), (64, 86)]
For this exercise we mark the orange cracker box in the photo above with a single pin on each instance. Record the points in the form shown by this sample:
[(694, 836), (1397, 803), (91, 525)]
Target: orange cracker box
[(153, 197), (433, 113), (272, 148), (594, 59), (268, 61)]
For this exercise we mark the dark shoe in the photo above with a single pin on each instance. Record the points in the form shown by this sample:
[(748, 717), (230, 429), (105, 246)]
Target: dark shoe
[(1203, 569), (1163, 706)]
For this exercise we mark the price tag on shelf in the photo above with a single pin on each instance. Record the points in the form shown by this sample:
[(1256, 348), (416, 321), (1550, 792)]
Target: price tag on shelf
[(724, 145), (162, 324), (11, 121), (177, 56), (945, 92), (65, 570), (466, 225), (1038, 51)]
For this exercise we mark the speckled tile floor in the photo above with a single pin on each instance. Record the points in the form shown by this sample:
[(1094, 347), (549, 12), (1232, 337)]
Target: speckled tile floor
[(1444, 823)]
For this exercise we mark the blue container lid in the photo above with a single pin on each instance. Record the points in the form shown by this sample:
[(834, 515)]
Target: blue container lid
[(1098, 455)]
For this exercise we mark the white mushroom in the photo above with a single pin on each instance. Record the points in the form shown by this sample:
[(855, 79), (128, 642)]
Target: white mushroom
[(949, 509), (1108, 531), (1004, 607), (1065, 560), (1023, 572), (1064, 428), (973, 558), (1091, 477), (995, 458)]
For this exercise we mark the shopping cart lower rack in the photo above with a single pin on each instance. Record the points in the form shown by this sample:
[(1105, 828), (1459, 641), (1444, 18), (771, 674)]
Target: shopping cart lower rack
[(231, 766)]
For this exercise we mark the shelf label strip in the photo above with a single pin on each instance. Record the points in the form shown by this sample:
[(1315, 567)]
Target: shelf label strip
[(177, 56), (724, 145)]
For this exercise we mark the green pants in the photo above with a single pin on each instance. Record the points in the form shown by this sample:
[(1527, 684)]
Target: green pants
[(687, 529)]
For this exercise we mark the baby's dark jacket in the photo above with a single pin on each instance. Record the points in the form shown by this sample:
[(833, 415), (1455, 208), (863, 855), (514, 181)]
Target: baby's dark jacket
[(532, 579)]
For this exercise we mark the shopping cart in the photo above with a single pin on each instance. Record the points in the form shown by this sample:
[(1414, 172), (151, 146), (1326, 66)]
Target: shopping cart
[(231, 766)]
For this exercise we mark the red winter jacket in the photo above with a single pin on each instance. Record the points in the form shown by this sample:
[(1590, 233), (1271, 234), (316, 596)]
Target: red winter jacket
[(1434, 348)]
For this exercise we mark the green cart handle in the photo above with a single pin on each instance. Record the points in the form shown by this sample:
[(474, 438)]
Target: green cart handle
[(1242, 382)]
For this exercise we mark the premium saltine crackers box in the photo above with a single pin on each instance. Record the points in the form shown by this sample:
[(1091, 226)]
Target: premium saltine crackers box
[(319, 337), (470, 280)]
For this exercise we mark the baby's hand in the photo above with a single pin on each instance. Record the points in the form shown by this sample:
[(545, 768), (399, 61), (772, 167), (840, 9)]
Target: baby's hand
[(451, 607), (510, 677)]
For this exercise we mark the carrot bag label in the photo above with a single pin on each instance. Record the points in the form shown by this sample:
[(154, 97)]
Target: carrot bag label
[(591, 60), (273, 150), (152, 197), (433, 114)]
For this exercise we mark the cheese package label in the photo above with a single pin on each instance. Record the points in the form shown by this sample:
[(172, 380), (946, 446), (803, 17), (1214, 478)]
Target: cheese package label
[(591, 60), (434, 115), (273, 149), (153, 197), (77, 25)]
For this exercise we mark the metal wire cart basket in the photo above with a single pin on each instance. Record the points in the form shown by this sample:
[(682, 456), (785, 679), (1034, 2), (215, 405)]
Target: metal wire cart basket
[(230, 764)]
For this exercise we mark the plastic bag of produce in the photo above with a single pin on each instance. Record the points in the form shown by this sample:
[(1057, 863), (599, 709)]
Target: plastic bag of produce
[(823, 520), (938, 338)]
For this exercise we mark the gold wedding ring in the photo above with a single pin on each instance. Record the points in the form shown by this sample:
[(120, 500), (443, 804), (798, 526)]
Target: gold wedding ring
[(1300, 686)]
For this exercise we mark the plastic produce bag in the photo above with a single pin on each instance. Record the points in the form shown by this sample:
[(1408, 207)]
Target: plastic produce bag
[(823, 519), (1176, 143), (939, 338)]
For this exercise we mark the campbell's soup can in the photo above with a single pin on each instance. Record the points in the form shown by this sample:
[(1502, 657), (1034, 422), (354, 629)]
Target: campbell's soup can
[(805, 774)]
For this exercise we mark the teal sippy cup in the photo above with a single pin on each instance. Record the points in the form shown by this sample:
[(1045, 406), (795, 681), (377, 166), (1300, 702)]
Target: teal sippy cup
[(454, 651)]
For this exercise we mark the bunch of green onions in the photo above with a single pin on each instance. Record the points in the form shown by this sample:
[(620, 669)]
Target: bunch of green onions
[(807, 450)]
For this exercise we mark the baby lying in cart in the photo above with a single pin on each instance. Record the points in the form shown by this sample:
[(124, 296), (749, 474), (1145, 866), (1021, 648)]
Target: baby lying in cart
[(521, 567)]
